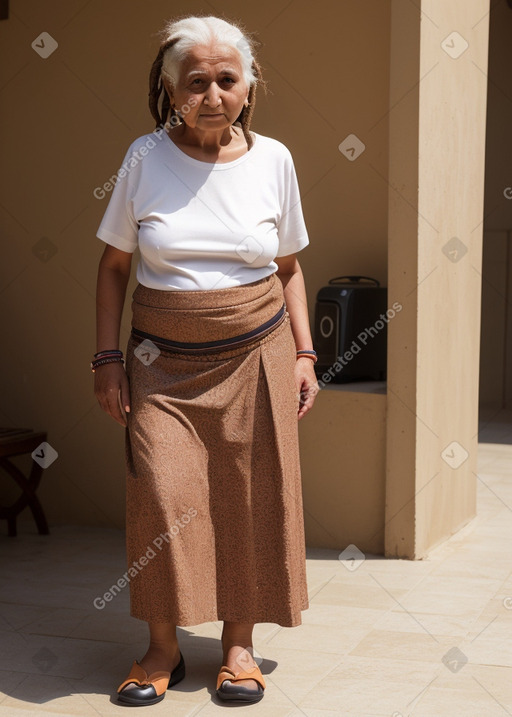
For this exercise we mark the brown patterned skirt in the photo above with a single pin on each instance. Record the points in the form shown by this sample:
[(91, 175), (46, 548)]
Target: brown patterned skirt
[(214, 515)]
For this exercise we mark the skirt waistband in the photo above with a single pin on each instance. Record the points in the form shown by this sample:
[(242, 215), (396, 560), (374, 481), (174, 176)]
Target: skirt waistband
[(220, 345), (208, 320)]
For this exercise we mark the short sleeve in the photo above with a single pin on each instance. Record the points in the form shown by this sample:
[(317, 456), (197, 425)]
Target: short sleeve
[(119, 226), (291, 229)]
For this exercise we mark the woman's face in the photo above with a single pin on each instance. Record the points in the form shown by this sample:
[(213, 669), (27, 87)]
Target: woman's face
[(211, 91)]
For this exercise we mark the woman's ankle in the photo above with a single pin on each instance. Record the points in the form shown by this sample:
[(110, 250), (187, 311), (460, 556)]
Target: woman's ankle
[(240, 656), (158, 658)]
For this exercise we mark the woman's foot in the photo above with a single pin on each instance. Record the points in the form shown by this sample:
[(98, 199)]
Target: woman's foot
[(239, 659), (157, 659), (243, 682), (237, 655)]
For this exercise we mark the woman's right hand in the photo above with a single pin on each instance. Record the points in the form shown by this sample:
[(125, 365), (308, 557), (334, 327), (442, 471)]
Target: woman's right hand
[(112, 390)]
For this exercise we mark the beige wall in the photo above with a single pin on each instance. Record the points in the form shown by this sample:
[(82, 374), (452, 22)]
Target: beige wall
[(65, 124), (343, 460), (437, 143)]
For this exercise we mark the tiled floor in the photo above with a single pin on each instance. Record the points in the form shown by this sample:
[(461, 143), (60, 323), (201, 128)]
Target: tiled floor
[(429, 638)]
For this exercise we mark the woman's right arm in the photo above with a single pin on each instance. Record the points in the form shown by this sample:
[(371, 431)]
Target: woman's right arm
[(110, 381)]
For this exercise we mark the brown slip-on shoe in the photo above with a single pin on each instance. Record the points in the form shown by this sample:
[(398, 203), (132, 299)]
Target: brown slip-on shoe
[(227, 689), (151, 688)]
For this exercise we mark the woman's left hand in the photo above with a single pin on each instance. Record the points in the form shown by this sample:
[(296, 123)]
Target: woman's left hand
[(307, 385)]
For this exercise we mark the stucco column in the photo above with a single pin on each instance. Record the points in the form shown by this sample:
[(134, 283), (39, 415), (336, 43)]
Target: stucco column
[(438, 92)]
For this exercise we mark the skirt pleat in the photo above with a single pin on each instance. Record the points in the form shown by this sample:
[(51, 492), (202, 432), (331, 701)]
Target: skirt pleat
[(214, 513)]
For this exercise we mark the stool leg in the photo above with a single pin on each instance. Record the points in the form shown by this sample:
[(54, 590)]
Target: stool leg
[(39, 516), (35, 506), (27, 498)]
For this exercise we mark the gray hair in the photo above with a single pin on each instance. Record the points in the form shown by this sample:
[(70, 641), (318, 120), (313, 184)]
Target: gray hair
[(177, 38), (191, 31)]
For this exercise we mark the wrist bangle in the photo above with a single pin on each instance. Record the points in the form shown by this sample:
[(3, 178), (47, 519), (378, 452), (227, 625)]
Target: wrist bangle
[(307, 353), (110, 352), (104, 360)]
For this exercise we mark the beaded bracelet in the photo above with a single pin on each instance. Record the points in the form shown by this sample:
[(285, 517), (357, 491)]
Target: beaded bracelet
[(110, 352), (105, 360), (308, 354)]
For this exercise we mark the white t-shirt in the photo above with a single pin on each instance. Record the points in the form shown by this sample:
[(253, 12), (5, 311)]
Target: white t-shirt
[(202, 225)]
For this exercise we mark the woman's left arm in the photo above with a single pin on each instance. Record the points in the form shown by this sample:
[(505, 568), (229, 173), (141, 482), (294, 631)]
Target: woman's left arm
[(292, 279)]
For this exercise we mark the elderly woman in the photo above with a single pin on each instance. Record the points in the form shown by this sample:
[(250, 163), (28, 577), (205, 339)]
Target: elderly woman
[(219, 363)]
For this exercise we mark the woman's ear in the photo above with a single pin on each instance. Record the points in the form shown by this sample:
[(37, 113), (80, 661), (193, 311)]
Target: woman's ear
[(168, 89)]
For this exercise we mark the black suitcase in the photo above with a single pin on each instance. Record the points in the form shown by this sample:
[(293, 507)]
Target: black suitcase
[(350, 332)]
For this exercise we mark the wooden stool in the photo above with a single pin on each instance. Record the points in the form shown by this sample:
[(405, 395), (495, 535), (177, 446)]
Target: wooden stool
[(17, 442)]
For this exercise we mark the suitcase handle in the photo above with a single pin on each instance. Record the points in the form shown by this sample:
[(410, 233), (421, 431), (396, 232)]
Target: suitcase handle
[(353, 279)]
